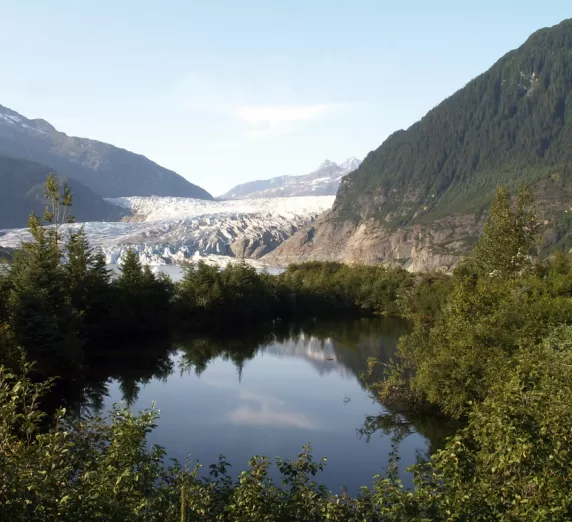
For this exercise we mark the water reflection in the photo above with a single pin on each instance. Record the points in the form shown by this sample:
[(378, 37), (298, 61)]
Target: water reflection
[(132, 364), (266, 391), (261, 409), (330, 346)]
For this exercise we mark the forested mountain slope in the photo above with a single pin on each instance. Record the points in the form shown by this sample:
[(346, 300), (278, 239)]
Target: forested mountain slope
[(107, 170), (22, 183), (418, 199)]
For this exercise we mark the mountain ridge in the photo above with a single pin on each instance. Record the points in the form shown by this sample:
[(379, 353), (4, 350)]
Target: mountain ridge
[(108, 170), (323, 181)]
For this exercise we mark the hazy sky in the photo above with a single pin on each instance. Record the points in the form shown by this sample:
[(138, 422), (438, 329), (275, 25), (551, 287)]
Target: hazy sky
[(233, 90)]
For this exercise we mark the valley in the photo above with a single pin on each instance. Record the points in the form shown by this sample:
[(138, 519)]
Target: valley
[(385, 339)]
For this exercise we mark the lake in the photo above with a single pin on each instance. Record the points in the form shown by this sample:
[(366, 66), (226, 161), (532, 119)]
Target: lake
[(265, 392)]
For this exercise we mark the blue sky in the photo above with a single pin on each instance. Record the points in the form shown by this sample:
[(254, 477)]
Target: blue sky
[(229, 91)]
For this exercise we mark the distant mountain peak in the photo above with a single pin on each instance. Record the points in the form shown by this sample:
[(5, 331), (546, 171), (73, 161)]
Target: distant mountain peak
[(10, 117), (323, 181), (327, 163), (351, 163), (10, 112), (42, 125)]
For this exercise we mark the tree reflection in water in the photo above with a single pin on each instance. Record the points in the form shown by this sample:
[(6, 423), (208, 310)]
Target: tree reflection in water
[(343, 346)]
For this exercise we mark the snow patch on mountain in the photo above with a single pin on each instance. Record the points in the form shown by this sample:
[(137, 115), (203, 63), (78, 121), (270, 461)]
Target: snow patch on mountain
[(326, 163), (169, 230), (10, 117), (350, 164), (324, 181)]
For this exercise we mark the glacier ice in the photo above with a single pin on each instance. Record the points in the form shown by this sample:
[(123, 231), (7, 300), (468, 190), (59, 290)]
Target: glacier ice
[(170, 230)]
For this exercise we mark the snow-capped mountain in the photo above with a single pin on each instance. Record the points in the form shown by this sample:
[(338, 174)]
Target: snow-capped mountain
[(166, 230), (321, 354), (11, 117), (350, 164), (324, 181)]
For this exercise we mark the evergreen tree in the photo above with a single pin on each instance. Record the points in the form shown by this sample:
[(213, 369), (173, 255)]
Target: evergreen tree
[(42, 318), (131, 270), (144, 299), (79, 259), (98, 269), (101, 299), (88, 284)]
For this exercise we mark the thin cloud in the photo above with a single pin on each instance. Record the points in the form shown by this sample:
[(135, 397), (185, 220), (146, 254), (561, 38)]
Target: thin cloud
[(273, 115), (271, 131)]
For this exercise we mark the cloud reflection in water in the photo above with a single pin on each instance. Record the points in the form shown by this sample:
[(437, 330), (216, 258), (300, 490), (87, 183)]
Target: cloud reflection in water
[(263, 410)]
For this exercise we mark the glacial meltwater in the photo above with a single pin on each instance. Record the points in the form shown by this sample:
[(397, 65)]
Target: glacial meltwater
[(268, 392)]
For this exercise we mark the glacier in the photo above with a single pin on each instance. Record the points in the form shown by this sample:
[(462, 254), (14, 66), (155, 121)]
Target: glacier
[(172, 230)]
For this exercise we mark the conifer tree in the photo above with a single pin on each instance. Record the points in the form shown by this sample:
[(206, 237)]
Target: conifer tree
[(79, 260), (144, 298), (88, 284), (98, 269), (131, 270), (101, 299), (41, 314)]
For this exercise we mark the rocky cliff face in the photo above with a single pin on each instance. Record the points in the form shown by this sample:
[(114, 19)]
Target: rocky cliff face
[(439, 245), (416, 248)]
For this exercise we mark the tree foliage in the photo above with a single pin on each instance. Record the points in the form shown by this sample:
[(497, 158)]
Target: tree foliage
[(509, 236), (497, 356)]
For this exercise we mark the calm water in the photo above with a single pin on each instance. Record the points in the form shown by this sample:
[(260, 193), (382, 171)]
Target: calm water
[(265, 393)]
